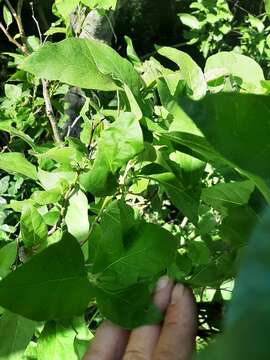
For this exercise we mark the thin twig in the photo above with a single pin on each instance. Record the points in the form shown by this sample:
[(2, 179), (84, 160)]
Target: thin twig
[(36, 22), (49, 111), (18, 19), (72, 125), (10, 38)]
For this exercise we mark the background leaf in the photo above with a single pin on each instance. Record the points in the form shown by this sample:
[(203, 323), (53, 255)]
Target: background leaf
[(33, 228), (57, 342), (190, 71), (77, 216), (15, 334), (118, 144), (16, 163)]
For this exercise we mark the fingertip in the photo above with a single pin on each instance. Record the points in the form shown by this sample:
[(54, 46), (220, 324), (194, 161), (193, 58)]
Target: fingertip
[(163, 291)]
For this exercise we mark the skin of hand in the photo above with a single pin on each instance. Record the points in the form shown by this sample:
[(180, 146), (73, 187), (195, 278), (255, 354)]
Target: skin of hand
[(174, 339)]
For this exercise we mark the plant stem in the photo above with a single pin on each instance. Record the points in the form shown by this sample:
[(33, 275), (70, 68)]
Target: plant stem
[(49, 112)]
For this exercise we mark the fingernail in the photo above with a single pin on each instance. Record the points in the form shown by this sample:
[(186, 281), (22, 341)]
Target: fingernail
[(177, 293), (162, 283)]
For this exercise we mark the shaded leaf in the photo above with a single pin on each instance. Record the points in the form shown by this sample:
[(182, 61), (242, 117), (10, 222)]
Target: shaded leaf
[(234, 193), (8, 255), (15, 334)]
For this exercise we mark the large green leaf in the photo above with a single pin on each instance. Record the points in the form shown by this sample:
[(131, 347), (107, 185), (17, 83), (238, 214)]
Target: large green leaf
[(38, 289), (85, 63), (15, 163), (248, 318), (33, 228), (237, 125), (15, 334), (190, 71), (56, 342), (237, 65), (77, 216), (118, 144)]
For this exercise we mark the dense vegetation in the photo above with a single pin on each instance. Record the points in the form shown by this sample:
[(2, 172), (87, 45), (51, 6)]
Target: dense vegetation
[(117, 169)]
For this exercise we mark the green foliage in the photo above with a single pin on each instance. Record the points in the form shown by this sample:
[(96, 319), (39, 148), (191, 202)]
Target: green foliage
[(167, 173), (216, 25)]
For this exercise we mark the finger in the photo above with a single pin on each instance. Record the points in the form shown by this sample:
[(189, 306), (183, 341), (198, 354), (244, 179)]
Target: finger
[(177, 338), (143, 340), (109, 343)]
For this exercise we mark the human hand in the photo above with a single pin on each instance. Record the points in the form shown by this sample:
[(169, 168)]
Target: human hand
[(172, 340)]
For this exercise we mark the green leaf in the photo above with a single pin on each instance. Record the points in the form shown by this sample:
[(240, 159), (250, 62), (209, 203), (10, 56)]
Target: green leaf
[(7, 16), (190, 71), (237, 65), (8, 255), (16, 164), (176, 191), (65, 7), (47, 197), (33, 228), (44, 282), (64, 155), (248, 318), (83, 336), (97, 67), (55, 179), (131, 53), (103, 4), (234, 193), (189, 20), (123, 254), (238, 226), (118, 144), (56, 342), (130, 308), (13, 91), (77, 216), (181, 122), (15, 334), (51, 217), (14, 132), (227, 121)]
